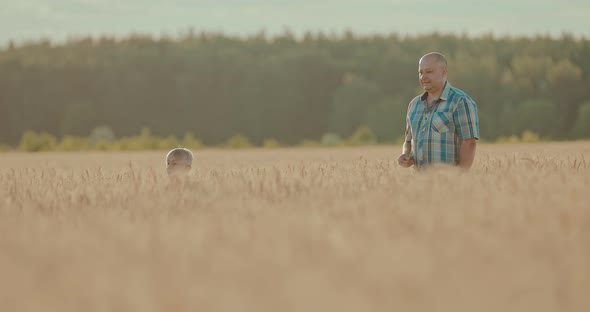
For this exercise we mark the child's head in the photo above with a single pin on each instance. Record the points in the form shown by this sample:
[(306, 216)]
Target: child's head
[(179, 160)]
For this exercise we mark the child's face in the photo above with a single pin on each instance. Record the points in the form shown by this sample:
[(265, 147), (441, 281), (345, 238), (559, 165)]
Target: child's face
[(174, 167)]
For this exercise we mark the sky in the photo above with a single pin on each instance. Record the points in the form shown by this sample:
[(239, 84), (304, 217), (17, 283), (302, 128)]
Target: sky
[(58, 20)]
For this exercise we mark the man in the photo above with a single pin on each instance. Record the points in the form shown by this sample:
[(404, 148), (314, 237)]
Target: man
[(442, 125)]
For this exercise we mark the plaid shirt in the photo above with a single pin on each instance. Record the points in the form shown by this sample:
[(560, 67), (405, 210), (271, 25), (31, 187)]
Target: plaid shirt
[(436, 132)]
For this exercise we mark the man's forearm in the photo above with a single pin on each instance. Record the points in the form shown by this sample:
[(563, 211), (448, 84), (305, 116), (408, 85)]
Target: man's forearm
[(407, 148), (467, 153)]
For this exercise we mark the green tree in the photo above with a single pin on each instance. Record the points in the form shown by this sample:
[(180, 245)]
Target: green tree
[(362, 136), (73, 143), (78, 117), (101, 133), (331, 139), (33, 142), (568, 89), (537, 115), (271, 143), (238, 141), (168, 143), (529, 74), (388, 119), (350, 102), (189, 141), (582, 126)]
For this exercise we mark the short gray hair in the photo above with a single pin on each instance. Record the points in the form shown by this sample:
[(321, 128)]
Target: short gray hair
[(438, 57)]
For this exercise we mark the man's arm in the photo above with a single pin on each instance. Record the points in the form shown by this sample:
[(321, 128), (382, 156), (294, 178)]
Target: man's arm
[(407, 148), (467, 129), (467, 153), (406, 160)]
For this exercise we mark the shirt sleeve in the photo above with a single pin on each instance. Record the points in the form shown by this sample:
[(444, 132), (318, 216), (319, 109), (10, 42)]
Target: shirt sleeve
[(466, 119)]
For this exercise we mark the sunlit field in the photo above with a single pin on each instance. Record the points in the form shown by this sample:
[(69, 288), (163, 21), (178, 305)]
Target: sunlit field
[(342, 229)]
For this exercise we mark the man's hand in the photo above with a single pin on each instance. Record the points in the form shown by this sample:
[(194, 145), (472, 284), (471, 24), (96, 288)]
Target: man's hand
[(405, 160)]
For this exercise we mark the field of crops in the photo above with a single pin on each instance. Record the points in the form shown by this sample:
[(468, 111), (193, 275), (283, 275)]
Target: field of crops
[(341, 229)]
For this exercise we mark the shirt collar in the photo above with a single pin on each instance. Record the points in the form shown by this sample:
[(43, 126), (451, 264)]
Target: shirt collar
[(444, 95)]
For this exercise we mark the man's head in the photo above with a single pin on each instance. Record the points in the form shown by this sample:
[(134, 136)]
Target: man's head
[(432, 72), (179, 160)]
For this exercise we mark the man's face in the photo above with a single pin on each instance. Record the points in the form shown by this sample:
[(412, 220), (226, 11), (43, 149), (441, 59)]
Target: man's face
[(432, 74)]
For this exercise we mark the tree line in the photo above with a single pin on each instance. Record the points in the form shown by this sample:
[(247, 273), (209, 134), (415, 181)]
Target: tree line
[(285, 88)]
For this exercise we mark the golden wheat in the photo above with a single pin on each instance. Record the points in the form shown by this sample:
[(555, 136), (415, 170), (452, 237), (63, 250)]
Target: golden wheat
[(296, 230)]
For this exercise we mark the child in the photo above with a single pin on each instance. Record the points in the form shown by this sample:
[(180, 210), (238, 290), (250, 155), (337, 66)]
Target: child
[(179, 160)]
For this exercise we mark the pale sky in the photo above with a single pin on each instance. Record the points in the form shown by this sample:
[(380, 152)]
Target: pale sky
[(59, 19)]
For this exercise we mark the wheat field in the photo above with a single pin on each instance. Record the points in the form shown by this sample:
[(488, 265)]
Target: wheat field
[(342, 229)]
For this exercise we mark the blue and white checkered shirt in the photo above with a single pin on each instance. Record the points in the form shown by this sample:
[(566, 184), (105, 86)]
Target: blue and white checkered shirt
[(436, 132)]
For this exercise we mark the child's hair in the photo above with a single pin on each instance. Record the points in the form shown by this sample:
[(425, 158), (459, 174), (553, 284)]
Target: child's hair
[(180, 158)]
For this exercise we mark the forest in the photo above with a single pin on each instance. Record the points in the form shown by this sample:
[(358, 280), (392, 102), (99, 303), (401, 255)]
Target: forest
[(288, 89)]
